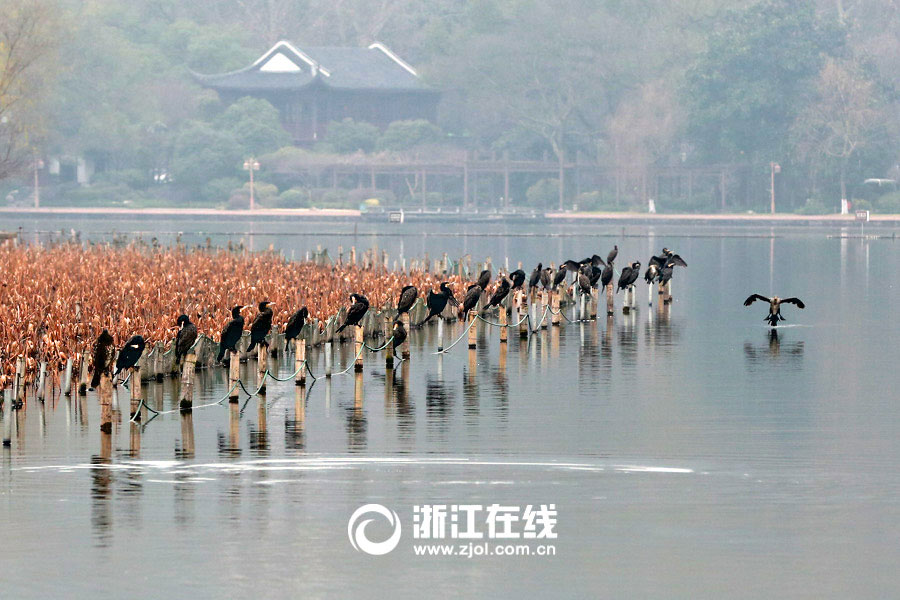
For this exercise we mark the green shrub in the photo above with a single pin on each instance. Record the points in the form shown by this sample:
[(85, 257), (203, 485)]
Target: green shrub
[(889, 203), (219, 190), (348, 136), (294, 198), (813, 206), (544, 193), (403, 135)]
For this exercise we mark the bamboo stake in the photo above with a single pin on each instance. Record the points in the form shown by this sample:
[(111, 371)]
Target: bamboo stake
[(299, 357), (187, 382)]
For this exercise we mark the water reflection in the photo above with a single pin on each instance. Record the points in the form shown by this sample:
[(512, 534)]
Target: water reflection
[(101, 491), (229, 445), (773, 351), (356, 418), (294, 429)]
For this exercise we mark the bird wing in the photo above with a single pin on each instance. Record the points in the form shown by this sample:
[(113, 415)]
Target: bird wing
[(753, 298), (658, 261), (678, 260), (596, 261), (796, 301)]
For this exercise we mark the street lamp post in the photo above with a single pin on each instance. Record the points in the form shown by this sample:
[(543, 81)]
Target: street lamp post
[(38, 164), (775, 168), (251, 164)]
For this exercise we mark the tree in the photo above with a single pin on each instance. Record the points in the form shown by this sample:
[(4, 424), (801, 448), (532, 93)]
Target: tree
[(746, 88), (643, 130), (27, 46), (845, 117), (204, 153), (349, 136), (255, 124)]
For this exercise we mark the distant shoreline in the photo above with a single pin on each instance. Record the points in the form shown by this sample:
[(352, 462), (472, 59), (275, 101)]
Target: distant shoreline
[(308, 214)]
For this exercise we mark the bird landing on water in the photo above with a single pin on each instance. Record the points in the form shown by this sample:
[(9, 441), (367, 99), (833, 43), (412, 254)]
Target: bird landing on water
[(775, 303)]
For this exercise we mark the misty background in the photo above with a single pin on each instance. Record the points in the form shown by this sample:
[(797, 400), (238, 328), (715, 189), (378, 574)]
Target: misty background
[(634, 88)]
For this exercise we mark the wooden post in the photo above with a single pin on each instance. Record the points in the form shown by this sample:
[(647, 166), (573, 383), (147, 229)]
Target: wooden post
[(610, 300), (473, 330), (650, 294), (626, 303), (82, 375), (668, 299), (545, 302), (135, 393), (234, 374), (440, 334), (389, 347), (522, 309), (359, 341), (554, 307), (42, 379), (106, 402), (353, 255), (503, 328), (595, 300), (299, 359), (187, 382), (404, 347), (262, 362), (19, 383), (67, 381), (328, 358)]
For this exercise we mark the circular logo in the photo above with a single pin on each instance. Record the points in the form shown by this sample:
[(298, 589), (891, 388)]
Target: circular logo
[(356, 530)]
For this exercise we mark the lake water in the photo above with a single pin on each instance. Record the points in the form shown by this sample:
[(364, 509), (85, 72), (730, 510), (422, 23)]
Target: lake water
[(688, 454)]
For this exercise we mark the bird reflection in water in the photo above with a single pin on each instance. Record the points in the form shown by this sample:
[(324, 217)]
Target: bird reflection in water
[(405, 410), (438, 403), (761, 356)]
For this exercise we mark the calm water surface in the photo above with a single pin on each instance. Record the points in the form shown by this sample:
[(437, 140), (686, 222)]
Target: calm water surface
[(689, 454)]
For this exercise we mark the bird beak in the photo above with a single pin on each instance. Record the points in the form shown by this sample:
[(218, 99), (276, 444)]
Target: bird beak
[(272, 303)]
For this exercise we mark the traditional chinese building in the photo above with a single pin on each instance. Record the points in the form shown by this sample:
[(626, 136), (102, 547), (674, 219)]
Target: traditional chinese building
[(314, 86)]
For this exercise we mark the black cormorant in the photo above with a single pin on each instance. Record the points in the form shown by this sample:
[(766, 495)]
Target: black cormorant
[(262, 324), (500, 293), (535, 276), (607, 275), (406, 300), (612, 254), (185, 338), (130, 354), (436, 303), (629, 275), (518, 279), (559, 277), (399, 334), (546, 277), (774, 306), (652, 271), (103, 354), (484, 279), (295, 324), (470, 301), (231, 335), (357, 310), (584, 280)]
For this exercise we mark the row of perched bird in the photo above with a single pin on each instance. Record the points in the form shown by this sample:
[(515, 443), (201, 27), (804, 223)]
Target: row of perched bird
[(588, 273)]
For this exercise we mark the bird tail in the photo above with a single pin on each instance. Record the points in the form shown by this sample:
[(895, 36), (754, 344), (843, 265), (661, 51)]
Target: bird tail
[(221, 353), (251, 346), (773, 319), (428, 318), (341, 328), (95, 378)]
